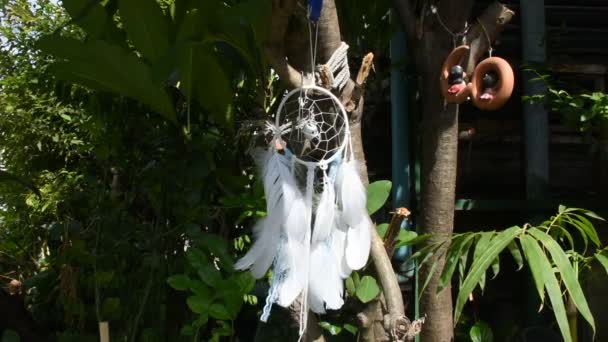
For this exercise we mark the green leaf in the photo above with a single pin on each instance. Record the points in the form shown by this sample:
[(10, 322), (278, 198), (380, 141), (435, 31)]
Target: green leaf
[(481, 245), (204, 78), (377, 194), (179, 282), (201, 289), (233, 302), (199, 304), (481, 332), (535, 266), (192, 28), (219, 311), (350, 328), (92, 17), (257, 13), (481, 264), (427, 280), (333, 329), (210, 275), (382, 228), (568, 276), (218, 247), (196, 257), (356, 278), (103, 66), (586, 226), (453, 258), (10, 336), (496, 266), (147, 27), (592, 214), (462, 265), (350, 286), (368, 289), (602, 259), (410, 237), (541, 267), (516, 254), (245, 281)]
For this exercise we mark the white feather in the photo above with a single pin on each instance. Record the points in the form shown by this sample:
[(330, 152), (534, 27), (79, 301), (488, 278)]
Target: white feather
[(324, 218), (338, 246), (284, 205), (260, 256), (358, 243), (353, 201), (297, 231), (353, 197), (326, 287)]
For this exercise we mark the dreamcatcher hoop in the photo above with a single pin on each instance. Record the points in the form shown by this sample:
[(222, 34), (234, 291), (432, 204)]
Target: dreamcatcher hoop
[(299, 94)]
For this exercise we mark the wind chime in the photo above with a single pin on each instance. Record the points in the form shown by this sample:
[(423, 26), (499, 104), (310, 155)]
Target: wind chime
[(489, 87), (317, 229)]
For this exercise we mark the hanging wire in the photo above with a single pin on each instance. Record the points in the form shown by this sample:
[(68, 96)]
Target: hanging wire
[(462, 34), (313, 46), (490, 49)]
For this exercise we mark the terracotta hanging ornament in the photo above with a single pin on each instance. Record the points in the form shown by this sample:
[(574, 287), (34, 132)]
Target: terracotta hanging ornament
[(454, 87), (491, 84)]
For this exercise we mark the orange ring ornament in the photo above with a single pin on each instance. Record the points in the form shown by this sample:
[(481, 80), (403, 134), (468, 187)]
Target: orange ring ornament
[(454, 58), (503, 88)]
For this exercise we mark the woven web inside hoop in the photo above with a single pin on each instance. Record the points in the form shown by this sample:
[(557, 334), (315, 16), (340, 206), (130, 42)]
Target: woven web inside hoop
[(316, 124)]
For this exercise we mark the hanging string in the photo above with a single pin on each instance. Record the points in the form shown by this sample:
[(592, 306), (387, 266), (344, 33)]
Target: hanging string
[(490, 49), (462, 34), (313, 48)]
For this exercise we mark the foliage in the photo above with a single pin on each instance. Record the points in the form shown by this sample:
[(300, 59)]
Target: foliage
[(216, 291), (127, 130), (481, 332), (580, 109), (555, 258), (583, 111)]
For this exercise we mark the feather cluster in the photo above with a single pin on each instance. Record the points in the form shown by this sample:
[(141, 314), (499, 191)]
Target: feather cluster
[(312, 239)]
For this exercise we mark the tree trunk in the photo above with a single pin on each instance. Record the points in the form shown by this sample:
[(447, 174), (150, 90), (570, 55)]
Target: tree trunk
[(430, 33), (439, 162)]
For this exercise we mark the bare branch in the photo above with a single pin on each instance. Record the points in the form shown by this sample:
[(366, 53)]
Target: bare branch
[(489, 25), (389, 283), (393, 229)]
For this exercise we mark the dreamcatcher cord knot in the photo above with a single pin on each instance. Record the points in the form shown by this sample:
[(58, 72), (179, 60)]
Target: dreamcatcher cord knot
[(337, 65)]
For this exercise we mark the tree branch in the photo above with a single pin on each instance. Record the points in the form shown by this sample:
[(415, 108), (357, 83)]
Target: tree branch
[(274, 47), (407, 18), (393, 229), (489, 25)]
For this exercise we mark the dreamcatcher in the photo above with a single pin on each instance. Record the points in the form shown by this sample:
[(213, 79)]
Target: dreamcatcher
[(317, 229)]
